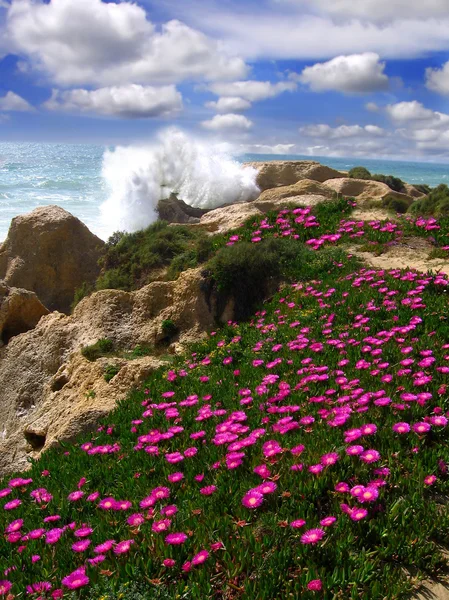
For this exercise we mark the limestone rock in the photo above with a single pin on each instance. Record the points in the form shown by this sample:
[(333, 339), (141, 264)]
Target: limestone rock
[(174, 210), (50, 252), (270, 199), (412, 191), (281, 172), (222, 220), (46, 382), (364, 190), (20, 310)]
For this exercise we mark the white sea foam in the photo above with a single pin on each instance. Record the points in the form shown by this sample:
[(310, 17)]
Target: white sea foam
[(199, 173)]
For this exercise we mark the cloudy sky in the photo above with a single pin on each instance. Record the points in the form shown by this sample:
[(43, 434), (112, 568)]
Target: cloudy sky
[(319, 77)]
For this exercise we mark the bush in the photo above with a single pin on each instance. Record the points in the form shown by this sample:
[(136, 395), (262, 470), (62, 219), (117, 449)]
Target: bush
[(423, 188), (398, 205), (110, 372), (436, 204), (103, 347), (359, 173), (396, 184), (169, 328)]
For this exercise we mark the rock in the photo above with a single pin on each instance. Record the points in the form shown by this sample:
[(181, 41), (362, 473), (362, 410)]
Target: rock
[(20, 311), (174, 210), (50, 252), (270, 199), (306, 200), (365, 190), (281, 172), (412, 191), (50, 392), (222, 220)]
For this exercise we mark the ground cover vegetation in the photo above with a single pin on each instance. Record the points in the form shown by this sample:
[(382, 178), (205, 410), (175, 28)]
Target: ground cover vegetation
[(299, 453)]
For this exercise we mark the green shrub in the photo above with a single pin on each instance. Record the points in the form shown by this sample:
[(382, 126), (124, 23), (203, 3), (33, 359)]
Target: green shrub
[(436, 204), (398, 205), (359, 173), (423, 188), (396, 184), (110, 372), (169, 328), (103, 347), (82, 292)]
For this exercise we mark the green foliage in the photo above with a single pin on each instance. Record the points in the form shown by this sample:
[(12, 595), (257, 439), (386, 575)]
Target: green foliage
[(436, 204), (82, 292), (169, 328), (110, 372), (423, 188), (359, 173), (398, 205), (396, 184), (103, 347)]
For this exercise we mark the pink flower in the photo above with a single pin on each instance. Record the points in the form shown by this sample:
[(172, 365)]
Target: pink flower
[(162, 525), (175, 477), (13, 504), (57, 594), (169, 562), (123, 547), (136, 520), (83, 532), (74, 496), (5, 586), (401, 427), (329, 459), (357, 514), (430, 479), (107, 504), (341, 487), (315, 585), (268, 487), (169, 511), (104, 547), (14, 526), (160, 493), (368, 494), (201, 557), (370, 456), (81, 546), (297, 524), (175, 538), (312, 536), (252, 499), (327, 521), (76, 580), (208, 490), (421, 428)]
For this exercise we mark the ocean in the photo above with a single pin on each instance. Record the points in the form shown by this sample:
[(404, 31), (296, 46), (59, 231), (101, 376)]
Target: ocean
[(114, 190)]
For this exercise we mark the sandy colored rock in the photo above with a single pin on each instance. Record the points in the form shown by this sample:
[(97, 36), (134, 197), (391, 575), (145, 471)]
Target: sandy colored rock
[(226, 218), (306, 187), (279, 173), (364, 190), (43, 373), (20, 310), (50, 252), (412, 191)]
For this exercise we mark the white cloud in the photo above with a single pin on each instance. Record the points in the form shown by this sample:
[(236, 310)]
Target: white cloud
[(341, 132), (376, 10), (92, 42), (253, 91), (230, 104), (268, 149), (437, 80), (128, 101), (416, 115), (12, 102), (357, 73), (280, 32), (228, 122)]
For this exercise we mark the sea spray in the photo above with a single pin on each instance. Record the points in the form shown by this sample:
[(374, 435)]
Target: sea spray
[(199, 173)]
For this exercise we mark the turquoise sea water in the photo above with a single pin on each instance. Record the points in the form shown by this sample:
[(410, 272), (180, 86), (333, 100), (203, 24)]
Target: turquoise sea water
[(70, 175)]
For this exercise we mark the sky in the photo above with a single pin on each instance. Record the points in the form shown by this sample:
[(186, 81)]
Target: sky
[(365, 78)]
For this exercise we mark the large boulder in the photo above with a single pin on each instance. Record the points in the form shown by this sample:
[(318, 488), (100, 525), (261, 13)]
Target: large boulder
[(227, 218), (272, 198), (282, 172), (50, 392), (174, 210), (412, 191), (50, 252), (20, 311), (365, 190)]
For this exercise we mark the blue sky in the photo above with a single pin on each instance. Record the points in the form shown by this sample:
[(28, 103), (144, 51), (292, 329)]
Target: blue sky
[(320, 77)]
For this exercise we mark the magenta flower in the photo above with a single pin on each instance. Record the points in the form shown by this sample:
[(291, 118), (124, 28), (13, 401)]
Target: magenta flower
[(5, 492), (76, 580), (315, 585), (104, 547), (169, 511), (160, 493), (175, 477), (14, 526), (312, 536), (160, 526), (136, 520), (252, 499), (354, 450), (342, 487), (83, 532), (12, 504), (5, 586), (201, 557), (327, 521), (368, 494), (329, 459), (175, 539), (268, 487), (401, 428), (74, 496), (430, 479), (370, 456), (123, 547), (36, 588), (297, 524), (81, 546), (421, 428), (107, 504), (357, 514), (169, 562), (208, 490)]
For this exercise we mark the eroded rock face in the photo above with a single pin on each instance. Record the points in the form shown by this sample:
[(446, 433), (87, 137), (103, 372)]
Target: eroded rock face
[(20, 311), (281, 172), (50, 252), (222, 220), (45, 379), (270, 199), (365, 190)]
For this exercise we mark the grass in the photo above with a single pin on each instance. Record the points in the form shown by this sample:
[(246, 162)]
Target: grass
[(307, 397), (103, 347)]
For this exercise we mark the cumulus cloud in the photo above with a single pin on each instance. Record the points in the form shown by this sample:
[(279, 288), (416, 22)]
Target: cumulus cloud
[(341, 132), (253, 91), (437, 80), (416, 115), (128, 101), (229, 104), (12, 102), (268, 149), (93, 42), (228, 122), (357, 73)]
